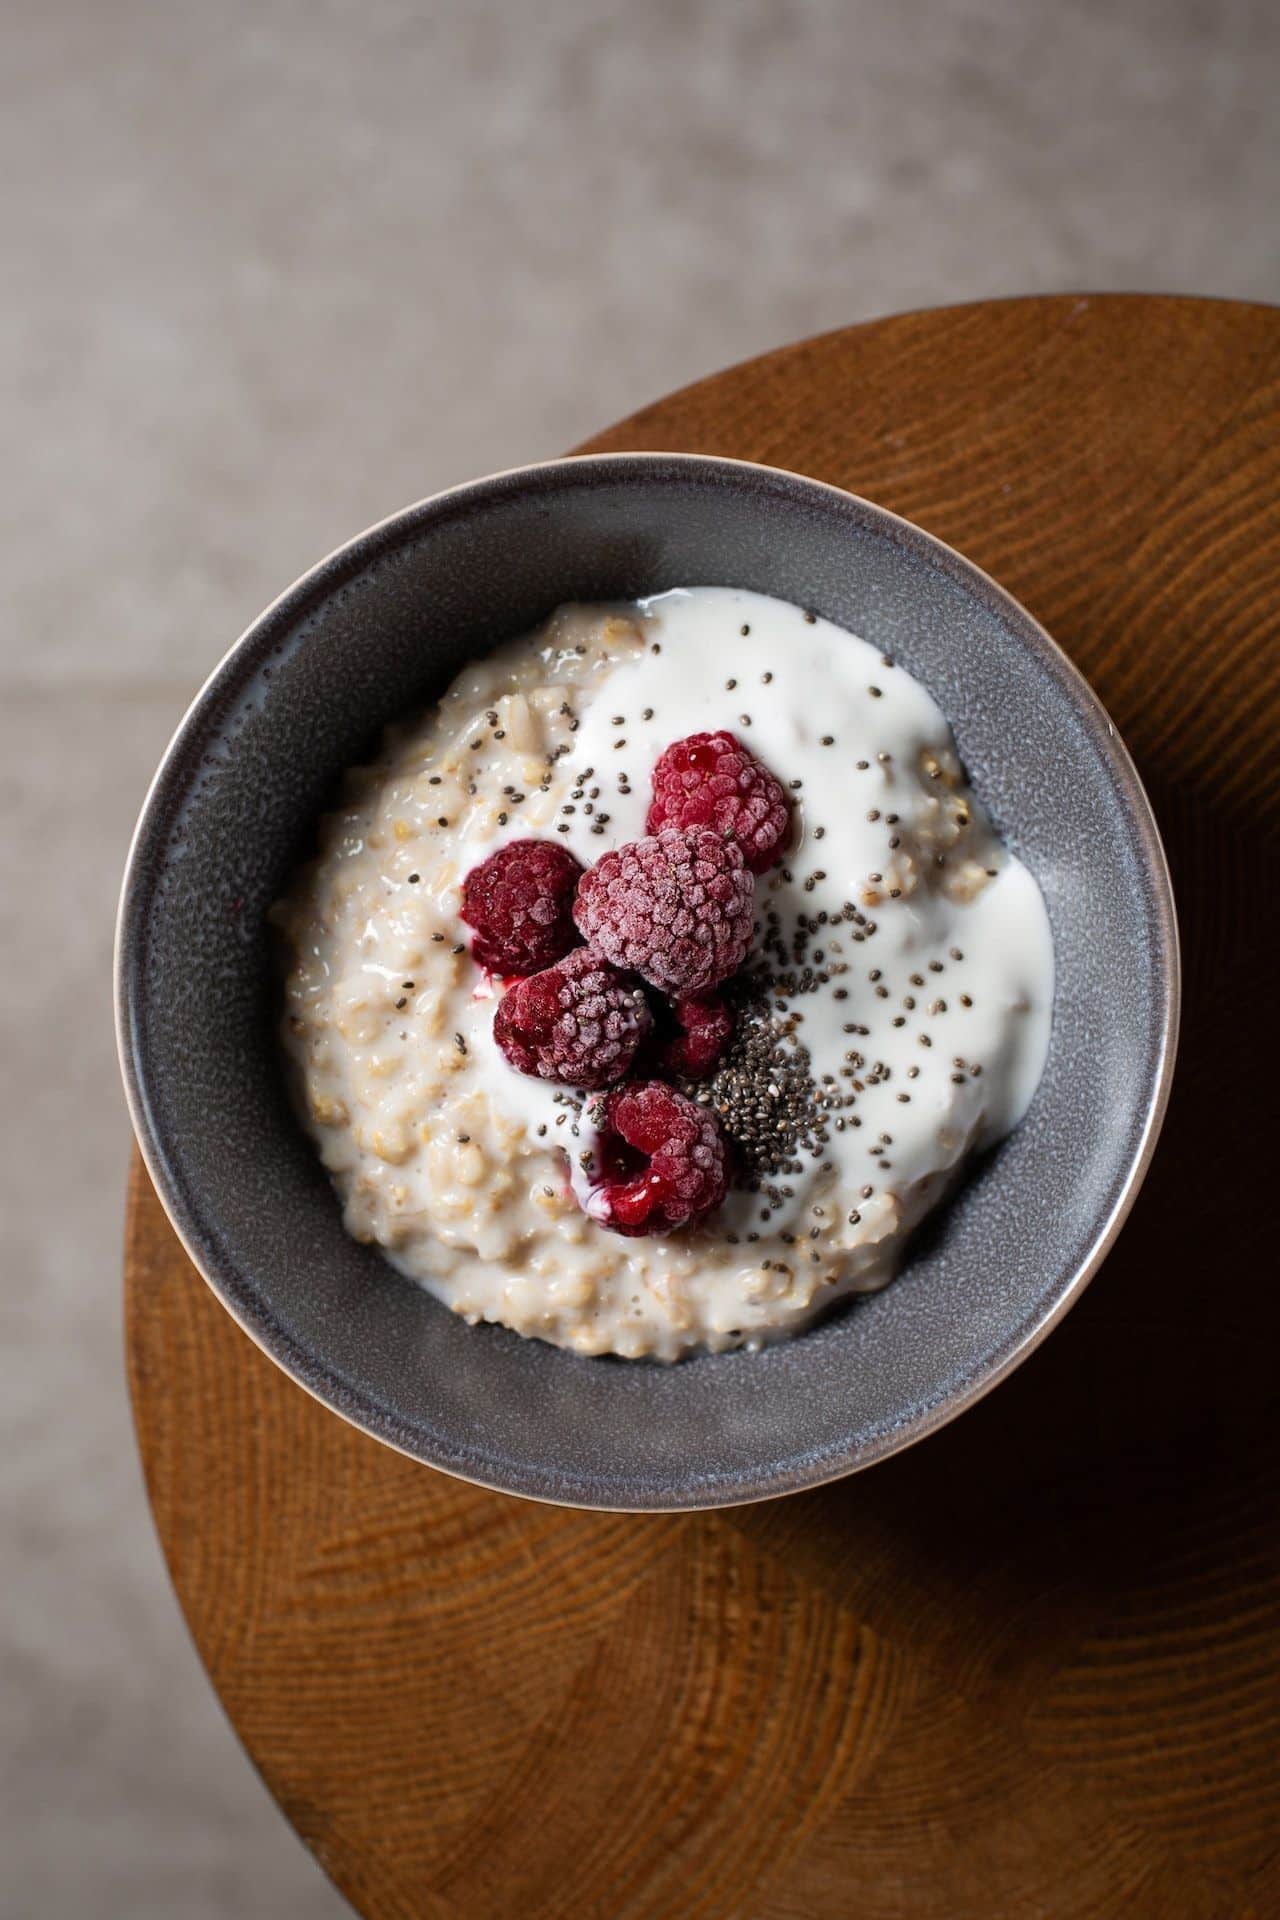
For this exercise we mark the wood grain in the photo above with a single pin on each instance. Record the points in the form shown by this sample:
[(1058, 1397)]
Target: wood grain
[(1030, 1667)]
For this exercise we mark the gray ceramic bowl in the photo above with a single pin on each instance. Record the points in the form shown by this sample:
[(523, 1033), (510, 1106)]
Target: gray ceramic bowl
[(385, 623)]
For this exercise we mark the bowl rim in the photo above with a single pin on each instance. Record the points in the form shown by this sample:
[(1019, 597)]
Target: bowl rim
[(738, 1489)]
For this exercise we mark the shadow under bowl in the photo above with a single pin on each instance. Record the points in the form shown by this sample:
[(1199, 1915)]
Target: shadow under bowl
[(381, 627)]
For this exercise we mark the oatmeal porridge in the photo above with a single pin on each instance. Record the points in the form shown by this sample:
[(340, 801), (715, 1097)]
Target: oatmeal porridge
[(636, 1127)]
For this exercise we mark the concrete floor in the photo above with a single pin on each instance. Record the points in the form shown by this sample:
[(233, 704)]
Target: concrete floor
[(274, 269)]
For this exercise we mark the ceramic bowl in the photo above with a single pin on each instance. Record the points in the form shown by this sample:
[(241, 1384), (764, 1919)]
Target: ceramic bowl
[(383, 625)]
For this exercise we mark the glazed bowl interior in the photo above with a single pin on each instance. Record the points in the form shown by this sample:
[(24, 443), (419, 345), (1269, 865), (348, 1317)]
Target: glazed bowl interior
[(383, 626)]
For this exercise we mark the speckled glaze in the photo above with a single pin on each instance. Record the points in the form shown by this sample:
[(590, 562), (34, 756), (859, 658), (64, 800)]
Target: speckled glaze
[(383, 625)]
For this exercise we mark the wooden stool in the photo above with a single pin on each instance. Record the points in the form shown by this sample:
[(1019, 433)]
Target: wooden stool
[(1031, 1666)]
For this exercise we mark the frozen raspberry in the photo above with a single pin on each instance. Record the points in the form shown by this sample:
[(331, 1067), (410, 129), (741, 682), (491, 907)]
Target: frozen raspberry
[(691, 1035), (660, 1159), (520, 902), (712, 780), (578, 1023), (676, 908)]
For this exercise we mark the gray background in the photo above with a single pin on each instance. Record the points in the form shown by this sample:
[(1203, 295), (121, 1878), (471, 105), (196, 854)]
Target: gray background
[(272, 270)]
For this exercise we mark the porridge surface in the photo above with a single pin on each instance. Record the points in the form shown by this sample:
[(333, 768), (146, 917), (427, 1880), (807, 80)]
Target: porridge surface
[(906, 956)]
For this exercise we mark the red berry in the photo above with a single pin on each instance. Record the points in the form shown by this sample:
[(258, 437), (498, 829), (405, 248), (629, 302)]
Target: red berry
[(661, 1159), (578, 1023), (692, 1035), (520, 902), (712, 780), (676, 908)]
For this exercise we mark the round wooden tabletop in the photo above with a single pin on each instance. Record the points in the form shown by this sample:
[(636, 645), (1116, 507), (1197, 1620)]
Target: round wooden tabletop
[(1030, 1666)]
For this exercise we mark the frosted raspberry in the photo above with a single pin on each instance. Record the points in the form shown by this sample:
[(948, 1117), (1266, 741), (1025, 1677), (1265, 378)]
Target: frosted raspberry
[(691, 1035), (676, 908), (578, 1023), (520, 902), (712, 780), (660, 1159)]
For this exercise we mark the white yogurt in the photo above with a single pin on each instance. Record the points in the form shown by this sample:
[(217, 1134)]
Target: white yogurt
[(471, 1175)]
